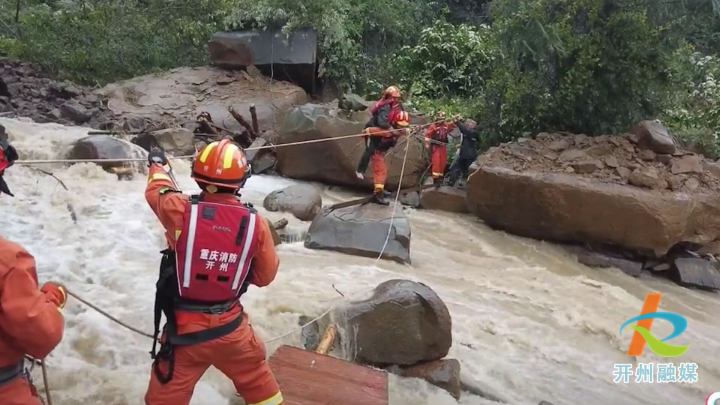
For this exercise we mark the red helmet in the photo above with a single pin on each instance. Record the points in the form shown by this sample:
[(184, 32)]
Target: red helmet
[(222, 164)]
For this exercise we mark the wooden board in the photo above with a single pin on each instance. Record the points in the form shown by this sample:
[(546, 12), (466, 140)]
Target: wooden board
[(308, 378), (366, 200)]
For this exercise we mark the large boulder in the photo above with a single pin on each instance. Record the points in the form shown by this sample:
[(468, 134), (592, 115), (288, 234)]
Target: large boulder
[(566, 208), (335, 162), (183, 93), (362, 230), (304, 202), (107, 147), (448, 199), (653, 136), (403, 323)]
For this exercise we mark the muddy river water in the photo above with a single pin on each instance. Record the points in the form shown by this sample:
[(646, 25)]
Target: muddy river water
[(529, 322)]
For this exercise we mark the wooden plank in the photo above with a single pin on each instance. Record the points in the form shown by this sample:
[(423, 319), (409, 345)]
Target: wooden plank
[(366, 200), (308, 378)]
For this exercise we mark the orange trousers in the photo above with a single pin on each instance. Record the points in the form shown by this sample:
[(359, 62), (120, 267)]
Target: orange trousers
[(239, 355), (17, 392), (438, 155), (379, 170)]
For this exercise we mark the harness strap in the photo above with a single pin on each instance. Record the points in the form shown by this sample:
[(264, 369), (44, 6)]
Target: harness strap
[(11, 372), (202, 336), (210, 309)]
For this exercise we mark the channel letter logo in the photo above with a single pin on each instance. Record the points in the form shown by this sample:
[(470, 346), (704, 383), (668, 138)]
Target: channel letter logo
[(642, 335), (713, 399)]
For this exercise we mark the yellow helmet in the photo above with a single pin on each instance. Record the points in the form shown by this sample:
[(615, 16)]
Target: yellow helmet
[(392, 91), (440, 116)]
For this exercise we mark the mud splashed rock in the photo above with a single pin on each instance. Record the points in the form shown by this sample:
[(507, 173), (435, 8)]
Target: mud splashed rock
[(361, 230), (570, 209), (403, 323)]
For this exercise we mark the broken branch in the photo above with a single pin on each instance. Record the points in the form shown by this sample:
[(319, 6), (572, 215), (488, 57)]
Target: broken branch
[(70, 208), (253, 117), (327, 340), (239, 118)]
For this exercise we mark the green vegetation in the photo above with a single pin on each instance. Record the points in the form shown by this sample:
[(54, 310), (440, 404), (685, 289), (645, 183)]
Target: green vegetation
[(517, 66)]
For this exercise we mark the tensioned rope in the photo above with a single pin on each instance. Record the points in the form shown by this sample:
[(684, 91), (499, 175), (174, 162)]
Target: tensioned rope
[(185, 157)]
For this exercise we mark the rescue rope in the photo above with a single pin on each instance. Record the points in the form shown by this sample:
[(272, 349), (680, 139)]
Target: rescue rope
[(112, 318), (185, 157), (45, 382)]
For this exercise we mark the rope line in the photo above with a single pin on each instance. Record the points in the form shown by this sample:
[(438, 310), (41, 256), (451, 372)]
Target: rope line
[(185, 157)]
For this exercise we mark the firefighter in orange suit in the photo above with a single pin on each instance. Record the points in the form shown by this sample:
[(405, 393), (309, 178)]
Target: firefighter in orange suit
[(436, 139), (217, 247), (387, 124), (30, 320)]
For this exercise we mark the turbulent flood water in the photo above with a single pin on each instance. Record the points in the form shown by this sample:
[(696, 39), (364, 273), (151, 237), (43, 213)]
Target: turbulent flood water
[(529, 322)]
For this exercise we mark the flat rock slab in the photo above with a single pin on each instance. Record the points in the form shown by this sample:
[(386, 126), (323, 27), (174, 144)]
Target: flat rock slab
[(565, 208), (308, 378), (361, 230), (599, 260), (448, 199), (697, 273)]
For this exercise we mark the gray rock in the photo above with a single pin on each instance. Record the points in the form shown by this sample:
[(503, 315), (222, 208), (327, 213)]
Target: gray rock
[(559, 145), (304, 202), (441, 373), (581, 140), (600, 150), (644, 177), (664, 159), (107, 147), (444, 199), (411, 199), (647, 155), (594, 259), (692, 184), (587, 166), (403, 323), (696, 273), (352, 102), (75, 112), (55, 114), (263, 163), (652, 135), (179, 141), (623, 172), (713, 168), (361, 230), (688, 164), (675, 182), (571, 154), (611, 161)]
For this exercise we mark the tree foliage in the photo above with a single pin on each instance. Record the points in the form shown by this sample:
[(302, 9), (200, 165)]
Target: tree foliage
[(517, 66)]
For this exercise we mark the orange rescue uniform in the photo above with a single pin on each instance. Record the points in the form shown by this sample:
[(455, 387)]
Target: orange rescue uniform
[(240, 355), (438, 149), (30, 321)]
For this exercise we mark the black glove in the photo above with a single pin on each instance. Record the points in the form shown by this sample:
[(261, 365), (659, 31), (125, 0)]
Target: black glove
[(157, 157)]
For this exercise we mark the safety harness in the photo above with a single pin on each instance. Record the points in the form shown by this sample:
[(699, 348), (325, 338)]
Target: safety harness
[(168, 300)]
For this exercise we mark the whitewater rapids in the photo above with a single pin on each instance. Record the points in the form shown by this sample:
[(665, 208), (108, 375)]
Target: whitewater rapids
[(528, 320)]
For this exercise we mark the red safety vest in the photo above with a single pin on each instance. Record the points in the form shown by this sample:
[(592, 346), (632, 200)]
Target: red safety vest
[(441, 133), (214, 250)]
